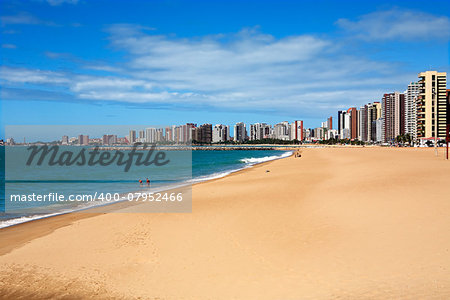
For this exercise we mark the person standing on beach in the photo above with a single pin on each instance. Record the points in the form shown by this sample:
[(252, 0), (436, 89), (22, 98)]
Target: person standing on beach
[(140, 182), (148, 182)]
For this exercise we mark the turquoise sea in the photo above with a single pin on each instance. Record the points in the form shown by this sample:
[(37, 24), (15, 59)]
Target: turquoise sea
[(185, 167)]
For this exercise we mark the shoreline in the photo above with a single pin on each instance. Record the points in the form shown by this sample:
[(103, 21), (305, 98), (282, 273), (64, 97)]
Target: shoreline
[(88, 212)]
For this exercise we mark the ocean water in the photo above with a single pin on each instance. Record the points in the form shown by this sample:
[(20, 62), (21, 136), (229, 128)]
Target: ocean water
[(185, 168)]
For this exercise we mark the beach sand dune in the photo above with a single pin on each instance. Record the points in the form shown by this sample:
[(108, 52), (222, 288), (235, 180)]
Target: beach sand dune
[(337, 223)]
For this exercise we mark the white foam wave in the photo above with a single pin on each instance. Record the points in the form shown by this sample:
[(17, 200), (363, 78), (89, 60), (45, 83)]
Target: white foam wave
[(257, 160), (248, 161), (19, 220), (212, 176)]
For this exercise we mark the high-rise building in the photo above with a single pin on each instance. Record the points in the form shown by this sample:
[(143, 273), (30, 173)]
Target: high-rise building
[(159, 135), (346, 131), (297, 130), (240, 132), (411, 95), (432, 104), (352, 111), (259, 131), (374, 112), (331, 134), (220, 133), (281, 131), (378, 130), (168, 134), (109, 139), (177, 134), (83, 140), (330, 123), (186, 132), (203, 134), (317, 133), (393, 115), (132, 137), (65, 140), (150, 135), (340, 124), (363, 126)]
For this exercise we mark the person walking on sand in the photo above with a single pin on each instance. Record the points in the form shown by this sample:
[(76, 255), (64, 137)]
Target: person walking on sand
[(148, 182)]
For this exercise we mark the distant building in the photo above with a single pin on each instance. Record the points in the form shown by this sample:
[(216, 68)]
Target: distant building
[(240, 132), (374, 112), (187, 132), (307, 134), (259, 131), (83, 140), (393, 115), (168, 134), (281, 131), (220, 133), (122, 140), (150, 135), (203, 134), (331, 134), (432, 104), (353, 112), (132, 137), (344, 125), (411, 95), (159, 135), (330, 122), (109, 139), (363, 126), (346, 131), (65, 140), (379, 130), (297, 130), (317, 134), (340, 125)]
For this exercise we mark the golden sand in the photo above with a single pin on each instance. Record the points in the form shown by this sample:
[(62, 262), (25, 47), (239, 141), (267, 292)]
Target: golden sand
[(340, 223)]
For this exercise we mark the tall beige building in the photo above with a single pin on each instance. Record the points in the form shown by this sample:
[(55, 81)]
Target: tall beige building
[(431, 104)]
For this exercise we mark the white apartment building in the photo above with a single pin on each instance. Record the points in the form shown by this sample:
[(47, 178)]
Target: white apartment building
[(220, 133), (240, 132), (282, 131), (411, 95)]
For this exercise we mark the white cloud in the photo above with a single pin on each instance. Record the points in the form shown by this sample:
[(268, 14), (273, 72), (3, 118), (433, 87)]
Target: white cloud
[(9, 46), (22, 75), (399, 24), (246, 71), (111, 84), (24, 18)]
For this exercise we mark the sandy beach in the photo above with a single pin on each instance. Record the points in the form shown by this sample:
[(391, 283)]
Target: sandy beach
[(337, 223)]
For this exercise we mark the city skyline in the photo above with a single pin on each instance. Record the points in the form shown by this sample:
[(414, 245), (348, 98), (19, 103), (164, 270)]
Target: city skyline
[(408, 113), (267, 63)]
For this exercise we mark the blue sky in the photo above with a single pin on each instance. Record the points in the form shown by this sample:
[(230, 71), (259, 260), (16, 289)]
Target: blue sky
[(172, 62)]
